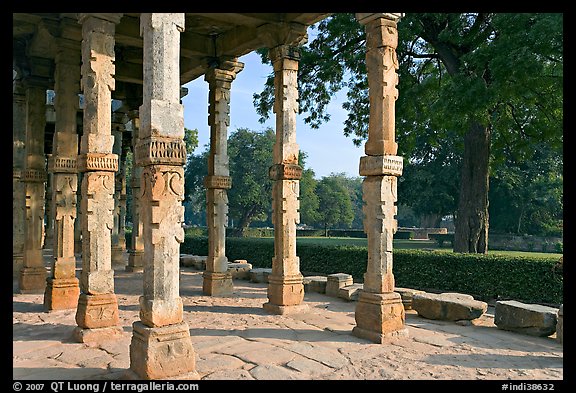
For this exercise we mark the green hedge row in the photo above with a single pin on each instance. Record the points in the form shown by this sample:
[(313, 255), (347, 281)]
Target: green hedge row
[(486, 277)]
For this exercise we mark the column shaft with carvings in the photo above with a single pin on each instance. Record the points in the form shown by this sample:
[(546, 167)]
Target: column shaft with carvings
[(32, 277), (62, 288), (217, 279), (161, 346), (48, 242), (379, 311), (285, 287), (118, 234), (97, 314), (136, 251), (18, 185)]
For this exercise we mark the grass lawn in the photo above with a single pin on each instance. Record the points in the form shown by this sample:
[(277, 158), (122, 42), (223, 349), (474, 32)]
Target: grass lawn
[(412, 244)]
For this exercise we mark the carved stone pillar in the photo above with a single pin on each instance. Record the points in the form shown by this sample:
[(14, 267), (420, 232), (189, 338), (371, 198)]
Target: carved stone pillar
[(97, 314), (78, 221), (18, 185), (32, 277), (217, 279), (379, 312), (161, 346), (136, 251), (285, 286), (62, 289), (48, 241), (118, 234)]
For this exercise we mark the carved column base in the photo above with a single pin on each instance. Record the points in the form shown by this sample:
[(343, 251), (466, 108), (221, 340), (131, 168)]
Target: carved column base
[(162, 352), (97, 335), (379, 316), (285, 294), (61, 294), (97, 311), (18, 264), (135, 261), (217, 284), (32, 280), (118, 256)]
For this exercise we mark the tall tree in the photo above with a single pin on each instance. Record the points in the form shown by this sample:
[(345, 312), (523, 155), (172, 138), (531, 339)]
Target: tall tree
[(492, 80), (335, 208)]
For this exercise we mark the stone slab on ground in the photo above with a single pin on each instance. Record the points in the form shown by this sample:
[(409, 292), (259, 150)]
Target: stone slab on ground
[(525, 318), (197, 262), (315, 284), (407, 294), (448, 306), (350, 292), (336, 281), (260, 275), (240, 269)]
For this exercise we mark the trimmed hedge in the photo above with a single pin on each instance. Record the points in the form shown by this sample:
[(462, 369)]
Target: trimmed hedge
[(486, 277)]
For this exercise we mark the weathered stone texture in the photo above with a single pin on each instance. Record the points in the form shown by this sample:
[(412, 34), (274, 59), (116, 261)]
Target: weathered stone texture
[(336, 281), (448, 306), (560, 324), (531, 319)]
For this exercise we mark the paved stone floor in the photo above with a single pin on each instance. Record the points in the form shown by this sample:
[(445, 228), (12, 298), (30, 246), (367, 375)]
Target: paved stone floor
[(235, 339)]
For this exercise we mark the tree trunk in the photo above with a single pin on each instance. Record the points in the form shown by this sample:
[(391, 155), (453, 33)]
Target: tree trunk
[(244, 222), (471, 224)]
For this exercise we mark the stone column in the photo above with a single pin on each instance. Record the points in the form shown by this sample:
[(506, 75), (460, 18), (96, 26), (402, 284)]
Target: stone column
[(217, 279), (48, 241), (379, 311), (18, 185), (32, 277), (118, 234), (97, 314), (285, 286), (78, 221), (161, 346), (62, 289), (136, 251)]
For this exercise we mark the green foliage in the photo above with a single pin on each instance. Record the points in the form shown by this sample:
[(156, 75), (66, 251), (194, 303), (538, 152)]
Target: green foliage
[(335, 207), (486, 277)]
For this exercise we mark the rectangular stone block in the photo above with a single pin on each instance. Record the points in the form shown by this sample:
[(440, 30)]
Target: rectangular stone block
[(260, 274), (162, 352), (350, 292), (240, 270), (97, 311), (336, 281), (315, 284), (531, 319), (388, 165)]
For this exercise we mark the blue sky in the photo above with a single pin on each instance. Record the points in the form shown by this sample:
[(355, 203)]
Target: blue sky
[(327, 148)]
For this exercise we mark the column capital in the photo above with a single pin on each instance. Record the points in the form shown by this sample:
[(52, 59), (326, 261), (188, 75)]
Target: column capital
[(225, 71), (109, 17), (285, 33), (281, 52), (365, 18)]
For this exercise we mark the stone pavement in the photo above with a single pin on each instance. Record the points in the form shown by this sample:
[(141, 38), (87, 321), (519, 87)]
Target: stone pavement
[(234, 338)]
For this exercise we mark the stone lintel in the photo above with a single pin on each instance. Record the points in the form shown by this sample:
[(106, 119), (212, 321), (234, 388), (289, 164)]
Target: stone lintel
[(60, 164), (365, 18), (101, 162), (386, 165), (34, 175), (285, 172), (213, 181), (160, 150)]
